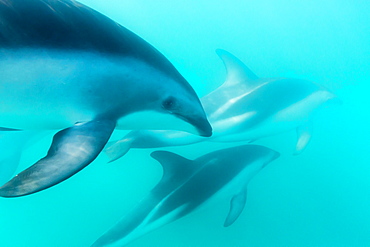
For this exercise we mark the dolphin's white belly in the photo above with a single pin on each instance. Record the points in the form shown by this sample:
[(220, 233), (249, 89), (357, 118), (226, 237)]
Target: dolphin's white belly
[(53, 90)]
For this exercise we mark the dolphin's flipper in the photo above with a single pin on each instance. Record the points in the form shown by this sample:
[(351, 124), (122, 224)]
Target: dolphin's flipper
[(237, 204), (72, 149), (304, 136), (116, 149)]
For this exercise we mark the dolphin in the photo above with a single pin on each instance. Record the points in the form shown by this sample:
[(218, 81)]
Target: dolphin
[(188, 184), (15, 142), (244, 108), (66, 67)]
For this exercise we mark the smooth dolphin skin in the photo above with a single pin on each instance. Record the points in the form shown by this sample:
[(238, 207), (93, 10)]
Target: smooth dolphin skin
[(66, 66), (243, 108), (188, 184)]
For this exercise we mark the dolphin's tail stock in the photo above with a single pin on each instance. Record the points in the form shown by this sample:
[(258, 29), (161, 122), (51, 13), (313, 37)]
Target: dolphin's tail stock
[(130, 227)]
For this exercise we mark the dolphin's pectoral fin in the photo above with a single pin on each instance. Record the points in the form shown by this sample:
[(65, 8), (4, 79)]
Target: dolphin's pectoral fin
[(237, 204), (304, 136), (72, 149), (116, 149)]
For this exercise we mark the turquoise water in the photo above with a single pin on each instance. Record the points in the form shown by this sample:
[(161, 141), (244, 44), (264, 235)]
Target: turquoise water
[(319, 198)]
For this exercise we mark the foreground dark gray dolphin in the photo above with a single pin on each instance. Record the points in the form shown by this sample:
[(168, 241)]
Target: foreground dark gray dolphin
[(188, 184), (66, 66), (243, 108)]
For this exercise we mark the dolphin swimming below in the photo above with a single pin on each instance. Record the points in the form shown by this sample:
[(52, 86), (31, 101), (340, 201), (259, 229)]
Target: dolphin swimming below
[(243, 108), (64, 66), (188, 184)]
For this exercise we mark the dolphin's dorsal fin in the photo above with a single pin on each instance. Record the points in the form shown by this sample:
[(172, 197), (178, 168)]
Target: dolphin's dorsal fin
[(173, 164), (237, 71), (237, 204)]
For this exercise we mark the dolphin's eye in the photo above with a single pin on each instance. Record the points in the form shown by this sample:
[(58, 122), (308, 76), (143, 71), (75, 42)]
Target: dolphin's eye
[(169, 103)]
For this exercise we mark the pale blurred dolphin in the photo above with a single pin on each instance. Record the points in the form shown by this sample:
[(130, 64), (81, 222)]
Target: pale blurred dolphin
[(243, 108), (188, 184), (14, 142), (66, 66)]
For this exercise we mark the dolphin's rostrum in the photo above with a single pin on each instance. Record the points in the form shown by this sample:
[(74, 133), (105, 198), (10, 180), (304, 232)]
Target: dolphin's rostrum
[(66, 66)]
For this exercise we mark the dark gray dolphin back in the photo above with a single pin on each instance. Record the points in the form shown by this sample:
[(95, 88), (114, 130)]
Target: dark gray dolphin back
[(186, 184), (69, 25), (198, 180)]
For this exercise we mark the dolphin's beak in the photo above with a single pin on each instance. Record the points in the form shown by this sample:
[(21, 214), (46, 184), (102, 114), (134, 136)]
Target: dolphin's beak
[(201, 124), (204, 128)]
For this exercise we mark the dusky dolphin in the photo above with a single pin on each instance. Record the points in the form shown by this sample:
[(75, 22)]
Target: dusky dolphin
[(188, 184), (243, 108), (65, 66), (15, 142)]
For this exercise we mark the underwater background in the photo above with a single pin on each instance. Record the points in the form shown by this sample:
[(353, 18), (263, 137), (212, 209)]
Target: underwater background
[(318, 198)]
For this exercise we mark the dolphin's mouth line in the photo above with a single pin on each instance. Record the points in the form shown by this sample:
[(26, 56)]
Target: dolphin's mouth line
[(204, 128)]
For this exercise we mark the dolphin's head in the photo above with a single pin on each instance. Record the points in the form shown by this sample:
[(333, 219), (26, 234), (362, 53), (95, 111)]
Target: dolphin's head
[(321, 99), (182, 110), (179, 106), (168, 104), (188, 109), (331, 99)]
